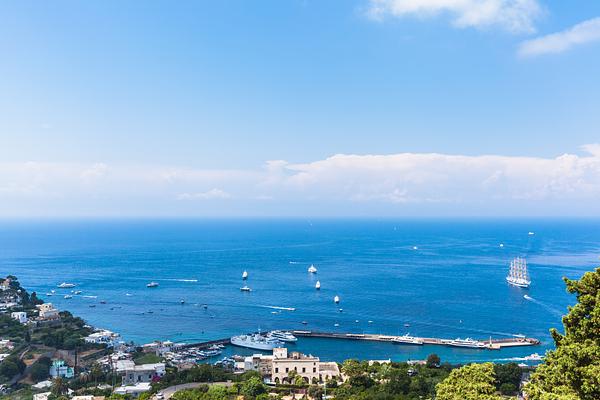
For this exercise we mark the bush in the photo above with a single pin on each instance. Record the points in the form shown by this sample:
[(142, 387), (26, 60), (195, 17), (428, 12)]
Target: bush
[(39, 371), (508, 389), (433, 361)]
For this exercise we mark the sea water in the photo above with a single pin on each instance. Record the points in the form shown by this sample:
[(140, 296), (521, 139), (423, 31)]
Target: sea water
[(426, 277)]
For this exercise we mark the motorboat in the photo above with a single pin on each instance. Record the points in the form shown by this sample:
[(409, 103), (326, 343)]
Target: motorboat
[(282, 336), (66, 285), (152, 285)]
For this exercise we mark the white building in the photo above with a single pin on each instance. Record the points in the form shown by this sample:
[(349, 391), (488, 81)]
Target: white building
[(305, 366), (143, 373), (133, 390), (59, 369), (20, 316), (104, 336), (47, 311)]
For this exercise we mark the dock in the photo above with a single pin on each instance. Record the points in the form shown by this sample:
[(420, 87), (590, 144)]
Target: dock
[(490, 344)]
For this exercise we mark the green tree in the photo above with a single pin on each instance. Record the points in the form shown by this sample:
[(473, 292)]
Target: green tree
[(471, 382), (253, 387), (59, 387), (433, 361), (39, 372), (572, 370)]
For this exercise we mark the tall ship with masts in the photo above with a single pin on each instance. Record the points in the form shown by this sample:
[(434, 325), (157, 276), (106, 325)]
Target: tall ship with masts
[(518, 274)]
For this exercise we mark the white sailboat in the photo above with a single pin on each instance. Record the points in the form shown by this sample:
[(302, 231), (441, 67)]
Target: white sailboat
[(312, 269), (518, 274), (318, 285), (245, 275), (336, 299)]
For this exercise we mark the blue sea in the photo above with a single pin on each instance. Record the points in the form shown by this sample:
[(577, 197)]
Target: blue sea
[(443, 277)]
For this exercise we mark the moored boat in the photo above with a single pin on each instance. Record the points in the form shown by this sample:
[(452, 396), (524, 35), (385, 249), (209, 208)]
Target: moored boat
[(282, 336), (407, 339), (255, 341), (468, 342)]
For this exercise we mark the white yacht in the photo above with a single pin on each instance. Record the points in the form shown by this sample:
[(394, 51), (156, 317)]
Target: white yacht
[(66, 285), (407, 339), (77, 292), (318, 285), (245, 275), (152, 284), (68, 296), (255, 341), (533, 357), (282, 336), (245, 289), (336, 299), (468, 342), (312, 269)]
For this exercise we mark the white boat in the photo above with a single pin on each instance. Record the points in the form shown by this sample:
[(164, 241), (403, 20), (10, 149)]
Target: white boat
[(49, 294), (531, 233), (501, 244), (255, 341), (518, 275), (312, 269), (77, 292), (66, 285), (68, 296), (152, 284), (245, 289), (282, 336), (407, 339), (245, 275), (533, 357), (336, 299), (468, 342), (318, 285)]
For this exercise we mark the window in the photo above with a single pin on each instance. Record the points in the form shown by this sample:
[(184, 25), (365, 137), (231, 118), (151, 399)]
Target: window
[(303, 369), (287, 369), (276, 369), (314, 370)]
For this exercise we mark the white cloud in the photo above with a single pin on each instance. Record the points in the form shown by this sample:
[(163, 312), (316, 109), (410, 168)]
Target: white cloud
[(511, 15), (584, 32), (340, 184), (209, 195)]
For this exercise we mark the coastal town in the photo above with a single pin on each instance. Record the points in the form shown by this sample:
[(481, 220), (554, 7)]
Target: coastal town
[(46, 353)]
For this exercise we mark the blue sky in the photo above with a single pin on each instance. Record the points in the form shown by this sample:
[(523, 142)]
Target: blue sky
[(239, 107)]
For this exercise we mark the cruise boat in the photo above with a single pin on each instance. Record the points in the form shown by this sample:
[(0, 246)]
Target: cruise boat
[(66, 285), (282, 336), (318, 285), (245, 289), (312, 269), (468, 342), (407, 339), (255, 341), (152, 284), (336, 299), (245, 275), (518, 275)]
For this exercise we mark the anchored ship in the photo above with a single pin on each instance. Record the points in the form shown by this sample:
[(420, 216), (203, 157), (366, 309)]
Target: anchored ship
[(407, 339), (468, 342), (518, 274), (282, 336), (256, 341)]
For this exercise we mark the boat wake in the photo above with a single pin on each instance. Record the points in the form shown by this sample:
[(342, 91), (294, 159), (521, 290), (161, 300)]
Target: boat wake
[(543, 305), (90, 297), (280, 308), (185, 280)]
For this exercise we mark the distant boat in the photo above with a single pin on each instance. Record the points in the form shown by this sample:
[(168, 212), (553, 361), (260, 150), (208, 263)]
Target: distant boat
[(245, 289), (336, 324), (531, 233), (415, 248), (256, 341), (102, 301), (336, 299), (527, 297), (501, 244), (318, 285), (152, 285), (518, 275), (245, 275), (312, 269), (66, 285), (182, 301), (282, 336), (49, 294), (468, 342), (68, 296), (77, 292)]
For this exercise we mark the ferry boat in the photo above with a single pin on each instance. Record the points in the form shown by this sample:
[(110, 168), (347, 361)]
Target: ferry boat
[(245, 289), (282, 336), (468, 342), (255, 341), (318, 285), (152, 284), (518, 275), (66, 285), (407, 339), (312, 269), (245, 275)]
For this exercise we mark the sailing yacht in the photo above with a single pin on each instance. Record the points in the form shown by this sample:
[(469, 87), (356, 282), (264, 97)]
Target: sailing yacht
[(312, 269), (318, 285), (518, 275), (245, 275)]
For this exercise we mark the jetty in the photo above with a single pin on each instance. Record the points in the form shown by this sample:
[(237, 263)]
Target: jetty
[(490, 344)]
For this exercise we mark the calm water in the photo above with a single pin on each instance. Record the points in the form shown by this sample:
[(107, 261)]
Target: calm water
[(451, 286)]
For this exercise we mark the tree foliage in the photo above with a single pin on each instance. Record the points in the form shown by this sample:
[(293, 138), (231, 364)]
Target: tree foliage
[(471, 382), (572, 371)]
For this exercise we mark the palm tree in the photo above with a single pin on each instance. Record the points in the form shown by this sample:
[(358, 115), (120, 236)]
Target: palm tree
[(59, 386)]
